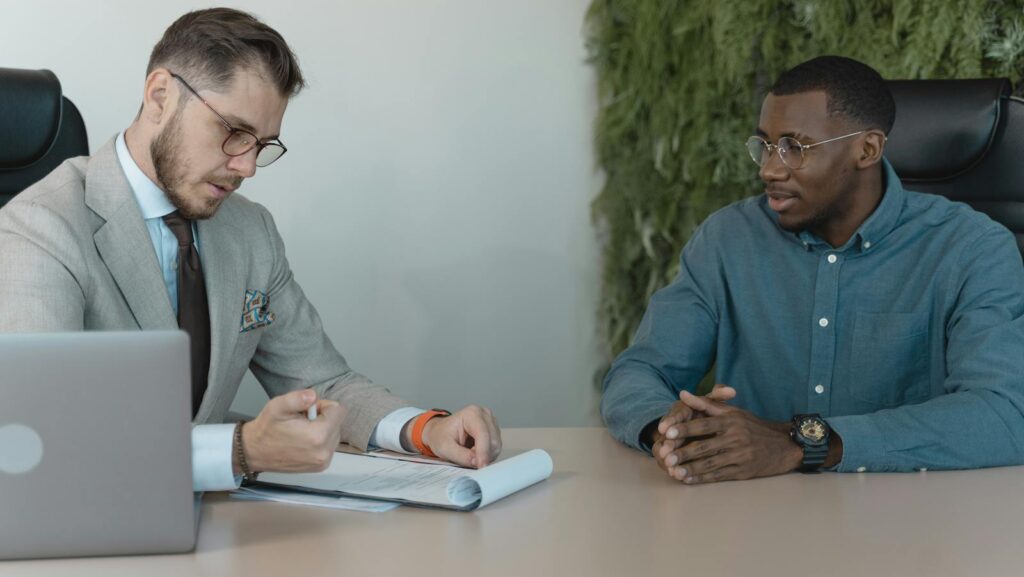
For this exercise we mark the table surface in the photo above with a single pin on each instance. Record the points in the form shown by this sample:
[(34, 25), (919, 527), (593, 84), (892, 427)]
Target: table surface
[(608, 510)]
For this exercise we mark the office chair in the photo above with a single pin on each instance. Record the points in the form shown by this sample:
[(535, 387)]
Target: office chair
[(963, 139), (39, 129)]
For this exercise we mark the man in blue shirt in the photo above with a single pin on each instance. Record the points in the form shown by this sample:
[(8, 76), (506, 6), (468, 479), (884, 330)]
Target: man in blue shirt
[(854, 325)]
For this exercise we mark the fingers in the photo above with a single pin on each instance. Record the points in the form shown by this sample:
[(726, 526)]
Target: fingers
[(707, 468), (286, 405), (460, 455), (724, 473), (696, 450), (684, 409), (475, 423), (722, 393), (469, 437), (702, 427), (680, 412), (494, 447), (704, 404)]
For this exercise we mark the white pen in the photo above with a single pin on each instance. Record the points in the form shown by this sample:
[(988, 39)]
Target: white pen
[(311, 413)]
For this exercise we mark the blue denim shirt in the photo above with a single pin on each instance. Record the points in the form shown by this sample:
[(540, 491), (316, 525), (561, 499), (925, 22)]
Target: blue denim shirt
[(909, 339)]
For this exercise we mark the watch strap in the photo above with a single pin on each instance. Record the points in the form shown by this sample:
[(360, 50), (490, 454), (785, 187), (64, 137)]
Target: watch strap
[(417, 430), (814, 458)]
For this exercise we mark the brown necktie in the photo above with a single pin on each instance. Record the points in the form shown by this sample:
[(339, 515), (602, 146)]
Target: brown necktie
[(193, 310)]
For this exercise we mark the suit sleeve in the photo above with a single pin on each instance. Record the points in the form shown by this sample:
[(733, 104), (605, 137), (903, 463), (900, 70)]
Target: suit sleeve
[(295, 353), (40, 290)]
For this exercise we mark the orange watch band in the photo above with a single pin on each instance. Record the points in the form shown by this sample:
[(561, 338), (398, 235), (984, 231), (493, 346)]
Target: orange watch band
[(417, 430)]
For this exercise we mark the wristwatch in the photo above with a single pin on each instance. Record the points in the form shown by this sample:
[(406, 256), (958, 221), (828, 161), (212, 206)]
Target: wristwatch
[(811, 432)]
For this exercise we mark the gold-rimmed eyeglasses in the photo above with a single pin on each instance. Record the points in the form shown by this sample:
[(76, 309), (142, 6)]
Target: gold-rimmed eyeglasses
[(240, 141), (791, 151)]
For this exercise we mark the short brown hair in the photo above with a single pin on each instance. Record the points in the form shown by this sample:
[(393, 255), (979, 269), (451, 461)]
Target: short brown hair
[(209, 46)]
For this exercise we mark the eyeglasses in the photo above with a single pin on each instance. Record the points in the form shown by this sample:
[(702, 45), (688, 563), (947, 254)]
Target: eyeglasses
[(790, 150), (241, 141)]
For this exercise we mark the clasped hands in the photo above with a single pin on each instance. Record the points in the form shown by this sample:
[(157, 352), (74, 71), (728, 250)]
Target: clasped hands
[(281, 438), (704, 440)]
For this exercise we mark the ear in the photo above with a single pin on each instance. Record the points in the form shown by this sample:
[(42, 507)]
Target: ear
[(871, 149), (157, 97)]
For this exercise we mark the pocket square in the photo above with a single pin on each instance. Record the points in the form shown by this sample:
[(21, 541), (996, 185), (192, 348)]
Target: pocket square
[(255, 311)]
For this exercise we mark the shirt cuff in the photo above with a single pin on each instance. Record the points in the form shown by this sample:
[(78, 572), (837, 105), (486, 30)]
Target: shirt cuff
[(211, 458), (388, 432), (862, 445)]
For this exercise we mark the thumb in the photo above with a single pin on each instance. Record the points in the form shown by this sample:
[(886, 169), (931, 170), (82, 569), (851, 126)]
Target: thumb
[(286, 405), (722, 392), (708, 407)]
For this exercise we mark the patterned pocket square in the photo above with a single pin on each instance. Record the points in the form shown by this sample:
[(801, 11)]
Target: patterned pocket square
[(256, 311)]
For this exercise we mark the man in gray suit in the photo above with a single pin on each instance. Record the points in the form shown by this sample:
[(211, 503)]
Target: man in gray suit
[(148, 234)]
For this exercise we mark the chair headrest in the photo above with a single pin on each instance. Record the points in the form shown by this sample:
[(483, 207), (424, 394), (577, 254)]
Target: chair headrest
[(943, 127), (30, 116)]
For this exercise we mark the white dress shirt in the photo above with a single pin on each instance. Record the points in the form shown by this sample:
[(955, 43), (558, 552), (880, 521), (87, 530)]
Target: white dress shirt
[(212, 444)]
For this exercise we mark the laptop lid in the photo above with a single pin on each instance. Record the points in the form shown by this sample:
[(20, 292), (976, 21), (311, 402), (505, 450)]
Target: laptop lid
[(95, 444)]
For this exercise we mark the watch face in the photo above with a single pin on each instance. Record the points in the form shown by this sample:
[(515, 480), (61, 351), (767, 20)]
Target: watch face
[(813, 430)]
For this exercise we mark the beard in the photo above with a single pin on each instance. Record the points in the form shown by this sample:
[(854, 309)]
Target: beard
[(815, 221), (171, 170)]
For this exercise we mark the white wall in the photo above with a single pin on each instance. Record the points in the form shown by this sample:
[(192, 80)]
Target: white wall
[(435, 197)]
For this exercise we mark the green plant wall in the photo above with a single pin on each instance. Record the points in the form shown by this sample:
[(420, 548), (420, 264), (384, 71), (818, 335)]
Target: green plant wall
[(680, 89)]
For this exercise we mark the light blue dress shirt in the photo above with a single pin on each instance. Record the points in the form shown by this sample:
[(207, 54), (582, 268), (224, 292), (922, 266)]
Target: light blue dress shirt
[(212, 444), (909, 339)]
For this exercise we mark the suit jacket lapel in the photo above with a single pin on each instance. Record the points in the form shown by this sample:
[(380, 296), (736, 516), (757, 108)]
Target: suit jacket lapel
[(124, 244)]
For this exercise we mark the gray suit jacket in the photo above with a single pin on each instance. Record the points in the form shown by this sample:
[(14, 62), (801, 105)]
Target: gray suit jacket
[(75, 255)]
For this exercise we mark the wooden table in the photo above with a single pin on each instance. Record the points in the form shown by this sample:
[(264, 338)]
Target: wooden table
[(608, 510)]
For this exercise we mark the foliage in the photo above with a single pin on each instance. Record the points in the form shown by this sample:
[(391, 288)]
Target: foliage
[(680, 88)]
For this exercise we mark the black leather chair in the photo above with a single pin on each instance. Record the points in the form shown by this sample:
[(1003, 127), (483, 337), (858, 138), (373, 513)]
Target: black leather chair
[(39, 129), (963, 139)]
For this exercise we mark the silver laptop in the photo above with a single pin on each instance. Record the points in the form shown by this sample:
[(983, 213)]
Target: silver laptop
[(95, 444)]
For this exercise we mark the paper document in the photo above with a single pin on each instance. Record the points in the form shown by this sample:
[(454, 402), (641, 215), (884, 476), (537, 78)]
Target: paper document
[(293, 497), (428, 484)]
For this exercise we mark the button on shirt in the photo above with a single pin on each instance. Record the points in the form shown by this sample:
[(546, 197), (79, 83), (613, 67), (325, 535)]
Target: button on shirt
[(908, 338), (211, 444)]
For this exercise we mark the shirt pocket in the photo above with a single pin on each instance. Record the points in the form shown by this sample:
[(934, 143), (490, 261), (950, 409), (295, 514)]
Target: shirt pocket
[(889, 367)]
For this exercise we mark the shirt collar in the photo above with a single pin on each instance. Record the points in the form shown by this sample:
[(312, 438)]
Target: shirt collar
[(887, 215), (879, 224), (152, 201)]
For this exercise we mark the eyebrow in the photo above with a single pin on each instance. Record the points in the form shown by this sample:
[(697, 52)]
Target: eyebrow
[(239, 123), (796, 135)]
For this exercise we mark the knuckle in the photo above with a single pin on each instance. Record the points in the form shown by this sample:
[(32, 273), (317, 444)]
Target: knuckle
[(320, 461), (320, 437)]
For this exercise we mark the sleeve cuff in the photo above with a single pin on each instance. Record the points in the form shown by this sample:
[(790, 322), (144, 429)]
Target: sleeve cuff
[(862, 446), (388, 432), (211, 458)]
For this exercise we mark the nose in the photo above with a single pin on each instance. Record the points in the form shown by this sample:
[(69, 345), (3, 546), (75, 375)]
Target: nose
[(773, 169), (244, 164)]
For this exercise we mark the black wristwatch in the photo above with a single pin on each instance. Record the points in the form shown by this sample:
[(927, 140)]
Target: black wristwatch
[(811, 432)]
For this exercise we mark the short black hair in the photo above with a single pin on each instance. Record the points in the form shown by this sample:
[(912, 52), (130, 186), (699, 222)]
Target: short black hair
[(855, 91)]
